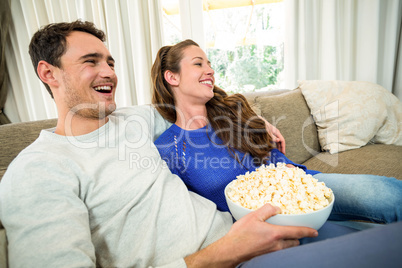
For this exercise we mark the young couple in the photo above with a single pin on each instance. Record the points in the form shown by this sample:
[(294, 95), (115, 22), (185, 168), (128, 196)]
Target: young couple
[(68, 205)]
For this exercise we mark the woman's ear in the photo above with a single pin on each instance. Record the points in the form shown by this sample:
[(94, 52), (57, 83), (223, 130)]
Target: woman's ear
[(172, 78), (46, 73)]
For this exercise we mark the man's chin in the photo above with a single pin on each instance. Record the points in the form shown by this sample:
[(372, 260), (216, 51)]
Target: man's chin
[(108, 110), (93, 111)]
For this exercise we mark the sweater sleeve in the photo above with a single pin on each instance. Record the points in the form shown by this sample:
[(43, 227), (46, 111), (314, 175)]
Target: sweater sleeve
[(278, 157), (47, 223), (180, 263)]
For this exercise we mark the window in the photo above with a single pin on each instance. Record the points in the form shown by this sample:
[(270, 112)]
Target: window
[(242, 39)]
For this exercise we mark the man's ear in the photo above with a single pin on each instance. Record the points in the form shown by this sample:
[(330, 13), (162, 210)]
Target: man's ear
[(172, 78), (46, 73)]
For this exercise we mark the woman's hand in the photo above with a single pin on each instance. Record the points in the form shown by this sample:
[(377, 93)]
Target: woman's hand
[(276, 136)]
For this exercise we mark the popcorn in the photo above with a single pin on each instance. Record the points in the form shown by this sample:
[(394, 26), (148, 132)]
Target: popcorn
[(291, 189)]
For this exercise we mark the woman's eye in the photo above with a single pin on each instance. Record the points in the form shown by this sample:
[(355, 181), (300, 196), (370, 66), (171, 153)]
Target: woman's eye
[(199, 64)]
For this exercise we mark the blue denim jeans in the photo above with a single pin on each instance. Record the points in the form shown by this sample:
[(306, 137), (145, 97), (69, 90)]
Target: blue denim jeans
[(364, 197)]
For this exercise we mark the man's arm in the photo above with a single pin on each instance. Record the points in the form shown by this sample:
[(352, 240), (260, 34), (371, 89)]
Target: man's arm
[(47, 224), (160, 124), (249, 237), (276, 136)]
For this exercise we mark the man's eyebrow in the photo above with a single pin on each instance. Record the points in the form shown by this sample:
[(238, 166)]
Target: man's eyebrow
[(96, 55)]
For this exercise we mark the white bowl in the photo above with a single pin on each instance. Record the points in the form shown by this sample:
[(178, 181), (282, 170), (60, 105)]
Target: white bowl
[(313, 220)]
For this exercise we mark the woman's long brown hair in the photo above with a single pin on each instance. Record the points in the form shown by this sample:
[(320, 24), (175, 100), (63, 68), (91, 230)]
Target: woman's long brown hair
[(231, 116)]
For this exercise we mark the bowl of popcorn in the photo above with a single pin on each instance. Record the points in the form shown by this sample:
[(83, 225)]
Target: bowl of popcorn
[(303, 200)]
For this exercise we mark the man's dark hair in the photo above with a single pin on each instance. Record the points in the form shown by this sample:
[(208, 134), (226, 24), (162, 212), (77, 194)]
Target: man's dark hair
[(49, 42)]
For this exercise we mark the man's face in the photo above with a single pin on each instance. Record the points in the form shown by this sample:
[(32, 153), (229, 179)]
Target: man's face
[(87, 76)]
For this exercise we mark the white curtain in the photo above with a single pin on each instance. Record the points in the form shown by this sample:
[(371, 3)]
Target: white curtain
[(134, 35), (344, 40)]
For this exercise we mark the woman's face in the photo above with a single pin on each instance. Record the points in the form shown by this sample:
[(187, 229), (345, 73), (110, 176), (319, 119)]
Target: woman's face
[(195, 82)]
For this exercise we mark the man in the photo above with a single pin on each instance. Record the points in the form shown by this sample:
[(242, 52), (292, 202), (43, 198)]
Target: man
[(86, 193), (94, 191)]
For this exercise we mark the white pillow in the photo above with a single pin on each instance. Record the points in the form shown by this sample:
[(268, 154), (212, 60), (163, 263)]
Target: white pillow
[(350, 114)]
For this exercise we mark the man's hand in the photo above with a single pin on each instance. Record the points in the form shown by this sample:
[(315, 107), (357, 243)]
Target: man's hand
[(249, 237), (276, 136)]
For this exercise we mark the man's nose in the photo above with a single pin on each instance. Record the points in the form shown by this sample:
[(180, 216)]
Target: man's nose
[(107, 70)]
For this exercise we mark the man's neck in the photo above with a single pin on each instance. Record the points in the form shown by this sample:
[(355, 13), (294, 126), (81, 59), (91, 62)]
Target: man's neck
[(78, 126)]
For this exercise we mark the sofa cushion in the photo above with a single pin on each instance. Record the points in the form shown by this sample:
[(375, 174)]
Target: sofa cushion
[(17, 136), (253, 96), (377, 159), (290, 114), (350, 114)]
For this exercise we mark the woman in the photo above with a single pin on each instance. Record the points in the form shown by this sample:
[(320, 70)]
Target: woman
[(216, 137)]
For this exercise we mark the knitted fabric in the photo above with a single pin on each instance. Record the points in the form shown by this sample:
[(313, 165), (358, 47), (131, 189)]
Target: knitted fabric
[(204, 163)]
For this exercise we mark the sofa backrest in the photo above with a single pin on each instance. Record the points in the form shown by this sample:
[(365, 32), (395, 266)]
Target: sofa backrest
[(288, 111), (15, 137)]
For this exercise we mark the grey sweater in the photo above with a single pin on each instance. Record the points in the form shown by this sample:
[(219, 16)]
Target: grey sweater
[(105, 198)]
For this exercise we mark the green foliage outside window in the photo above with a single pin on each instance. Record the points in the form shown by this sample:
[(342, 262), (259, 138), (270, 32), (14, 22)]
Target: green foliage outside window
[(243, 44), (247, 68)]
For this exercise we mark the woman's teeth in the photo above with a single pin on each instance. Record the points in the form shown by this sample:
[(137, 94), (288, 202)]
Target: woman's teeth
[(206, 82)]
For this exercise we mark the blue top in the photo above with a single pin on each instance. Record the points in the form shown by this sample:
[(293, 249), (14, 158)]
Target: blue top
[(204, 164)]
